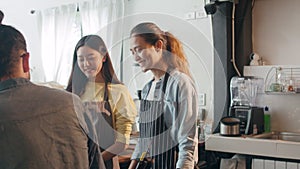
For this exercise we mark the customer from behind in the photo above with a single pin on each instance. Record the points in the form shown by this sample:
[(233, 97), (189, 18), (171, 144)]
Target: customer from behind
[(40, 127)]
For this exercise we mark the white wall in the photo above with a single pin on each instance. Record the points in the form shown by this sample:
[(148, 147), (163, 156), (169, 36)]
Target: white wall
[(276, 37)]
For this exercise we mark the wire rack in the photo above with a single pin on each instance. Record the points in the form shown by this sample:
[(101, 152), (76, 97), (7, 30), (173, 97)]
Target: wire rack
[(283, 80)]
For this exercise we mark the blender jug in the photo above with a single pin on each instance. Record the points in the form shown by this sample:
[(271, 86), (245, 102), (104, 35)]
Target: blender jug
[(243, 91)]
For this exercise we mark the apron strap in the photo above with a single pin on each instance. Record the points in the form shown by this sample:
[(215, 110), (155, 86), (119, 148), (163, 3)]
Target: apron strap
[(106, 92), (165, 83), (107, 105), (114, 162)]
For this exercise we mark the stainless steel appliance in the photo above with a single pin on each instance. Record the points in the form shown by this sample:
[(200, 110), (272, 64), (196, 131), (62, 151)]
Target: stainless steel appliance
[(230, 126), (243, 92)]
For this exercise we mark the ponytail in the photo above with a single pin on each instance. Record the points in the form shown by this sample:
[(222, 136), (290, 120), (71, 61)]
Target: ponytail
[(175, 55)]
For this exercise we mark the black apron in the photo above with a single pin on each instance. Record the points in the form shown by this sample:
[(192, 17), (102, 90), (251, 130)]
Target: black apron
[(104, 125), (154, 133)]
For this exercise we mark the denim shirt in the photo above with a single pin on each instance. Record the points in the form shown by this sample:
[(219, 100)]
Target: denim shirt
[(180, 111)]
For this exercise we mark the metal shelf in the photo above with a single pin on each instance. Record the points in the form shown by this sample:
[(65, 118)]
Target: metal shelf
[(283, 80), (280, 93)]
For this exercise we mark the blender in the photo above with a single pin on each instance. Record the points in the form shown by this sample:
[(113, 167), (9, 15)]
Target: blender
[(243, 93)]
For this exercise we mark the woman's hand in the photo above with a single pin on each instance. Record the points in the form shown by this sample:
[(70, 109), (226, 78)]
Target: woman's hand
[(97, 106)]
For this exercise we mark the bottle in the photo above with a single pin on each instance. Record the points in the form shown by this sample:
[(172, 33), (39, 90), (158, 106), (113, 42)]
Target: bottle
[(201, 124), (254, 129), (291, 86), (267, 120)]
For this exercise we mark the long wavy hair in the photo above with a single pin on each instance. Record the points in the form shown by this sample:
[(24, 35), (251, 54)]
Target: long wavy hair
[(77, 79), (173, 53)]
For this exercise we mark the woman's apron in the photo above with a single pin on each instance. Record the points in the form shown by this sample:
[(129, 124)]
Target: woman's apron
[(106, 130), (154, 133)]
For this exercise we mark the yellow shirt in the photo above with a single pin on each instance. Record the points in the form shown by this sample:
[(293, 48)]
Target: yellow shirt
[(122, 106)]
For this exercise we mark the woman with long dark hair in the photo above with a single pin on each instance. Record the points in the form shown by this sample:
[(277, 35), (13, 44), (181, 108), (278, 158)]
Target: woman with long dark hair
[(108, 101)]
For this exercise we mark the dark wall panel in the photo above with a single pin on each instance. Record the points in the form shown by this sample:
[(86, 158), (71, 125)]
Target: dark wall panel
[(222, 37)]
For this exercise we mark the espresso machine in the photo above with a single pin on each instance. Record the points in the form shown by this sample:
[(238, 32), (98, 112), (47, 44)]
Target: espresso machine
[(243, 93)]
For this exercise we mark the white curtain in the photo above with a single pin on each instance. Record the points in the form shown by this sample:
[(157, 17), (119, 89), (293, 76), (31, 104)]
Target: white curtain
[(105, 18), (61, 28), (58, 41)]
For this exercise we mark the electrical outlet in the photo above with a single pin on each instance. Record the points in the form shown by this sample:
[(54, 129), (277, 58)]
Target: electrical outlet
[(202, 99), (200, 14), (190, 16)]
